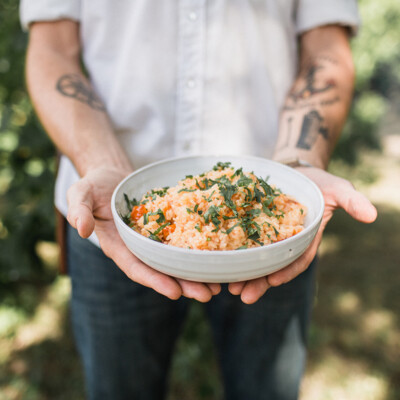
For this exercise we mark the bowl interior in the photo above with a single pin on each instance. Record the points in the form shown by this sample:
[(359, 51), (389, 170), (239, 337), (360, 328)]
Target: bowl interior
[(169, 172)]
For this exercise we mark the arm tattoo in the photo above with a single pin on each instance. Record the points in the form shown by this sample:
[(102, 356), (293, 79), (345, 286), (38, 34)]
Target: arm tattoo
[(311, 128), (72, 85), (310, 88), (307, 104)]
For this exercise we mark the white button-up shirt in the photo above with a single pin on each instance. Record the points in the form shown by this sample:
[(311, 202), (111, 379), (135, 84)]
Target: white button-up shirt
[(181, 77)]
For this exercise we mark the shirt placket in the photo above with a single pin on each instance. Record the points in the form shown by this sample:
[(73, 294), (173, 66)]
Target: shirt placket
[(190, 76)]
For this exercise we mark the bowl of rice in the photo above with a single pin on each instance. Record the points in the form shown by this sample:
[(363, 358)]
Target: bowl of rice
[(217, 218)]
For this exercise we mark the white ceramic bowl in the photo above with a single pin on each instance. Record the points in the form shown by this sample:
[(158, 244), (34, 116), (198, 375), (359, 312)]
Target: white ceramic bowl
[(217, 266)]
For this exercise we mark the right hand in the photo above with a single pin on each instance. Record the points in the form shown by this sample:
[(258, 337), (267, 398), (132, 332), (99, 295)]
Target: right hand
[(89, 209)]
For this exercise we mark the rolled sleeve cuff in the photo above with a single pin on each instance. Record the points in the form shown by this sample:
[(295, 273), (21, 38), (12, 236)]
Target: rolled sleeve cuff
[(314, 13), (48, 10)]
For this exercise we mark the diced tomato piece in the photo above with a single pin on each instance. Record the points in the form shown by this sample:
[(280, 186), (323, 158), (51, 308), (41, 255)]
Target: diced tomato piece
[(138, 211), (168, 230)]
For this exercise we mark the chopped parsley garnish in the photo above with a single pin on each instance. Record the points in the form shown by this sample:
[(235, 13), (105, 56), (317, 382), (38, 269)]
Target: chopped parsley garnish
[(209, 198), (227, 191), (126, 219), (258, 195), (154, 237), (248, 195), (161, 216), (225, 218), (212, 214), (266, 209), (154, 193), (207, 183), (268, 190), (238, 172), (130, 203), (160, 228), (254, 237), (228, 231), (244, 181), (254, 212), (221, 165), (198, 184), (186, 190)]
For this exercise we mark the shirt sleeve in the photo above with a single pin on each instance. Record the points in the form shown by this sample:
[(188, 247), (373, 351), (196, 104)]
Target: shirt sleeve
[(313, 13), (48, 10)]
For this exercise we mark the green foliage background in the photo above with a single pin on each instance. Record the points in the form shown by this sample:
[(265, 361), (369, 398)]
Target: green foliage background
[(27, 158)]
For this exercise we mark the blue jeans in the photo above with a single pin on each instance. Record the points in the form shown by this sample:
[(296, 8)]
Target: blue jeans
[(125, 333)]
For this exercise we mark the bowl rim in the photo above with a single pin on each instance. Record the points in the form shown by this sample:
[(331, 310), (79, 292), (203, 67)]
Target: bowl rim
[(182, 250)]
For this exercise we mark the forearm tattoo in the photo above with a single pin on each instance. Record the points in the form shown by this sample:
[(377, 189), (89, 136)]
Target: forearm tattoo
[(310, 87), (316, 91), (315, 83), (72, 85), (312, 127)]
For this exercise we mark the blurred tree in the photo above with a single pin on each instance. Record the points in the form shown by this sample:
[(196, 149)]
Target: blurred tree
[(377, 58), (27, 160)]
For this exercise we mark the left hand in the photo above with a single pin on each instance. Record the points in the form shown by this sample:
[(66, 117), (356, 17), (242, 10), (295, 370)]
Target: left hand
[(338, 193)]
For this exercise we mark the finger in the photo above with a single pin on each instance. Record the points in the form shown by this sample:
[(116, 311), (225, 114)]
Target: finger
[(195, 290), (254, 289), (298, 266), (236, 288), (114, 248), (357, 205), (80, 208), (215, 288)]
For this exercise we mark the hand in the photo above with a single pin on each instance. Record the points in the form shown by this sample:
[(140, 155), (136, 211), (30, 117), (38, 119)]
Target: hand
[(89, 210), (338, 193)]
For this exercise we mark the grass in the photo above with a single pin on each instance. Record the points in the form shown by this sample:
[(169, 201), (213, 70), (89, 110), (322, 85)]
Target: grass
[(355, 334)]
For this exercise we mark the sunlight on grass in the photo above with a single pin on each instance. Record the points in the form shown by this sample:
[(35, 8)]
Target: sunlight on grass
[(380, 327), (10, 319), (346, 379), (387, 189), (22, 331), (376, 321), (49, 252), (45, 323), (17, 386), (348, 302)]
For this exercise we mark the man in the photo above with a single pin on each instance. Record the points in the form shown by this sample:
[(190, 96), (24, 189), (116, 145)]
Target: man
[(179, 78)]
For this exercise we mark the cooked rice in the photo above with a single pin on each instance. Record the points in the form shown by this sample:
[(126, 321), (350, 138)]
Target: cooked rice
[(223, 209)]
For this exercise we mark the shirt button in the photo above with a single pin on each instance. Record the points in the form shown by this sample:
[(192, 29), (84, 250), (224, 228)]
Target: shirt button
[(190, 83), (187, 145), (192, 16)]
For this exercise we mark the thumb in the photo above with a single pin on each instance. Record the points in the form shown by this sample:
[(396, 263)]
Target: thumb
[(80, 208), (357, 205)]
